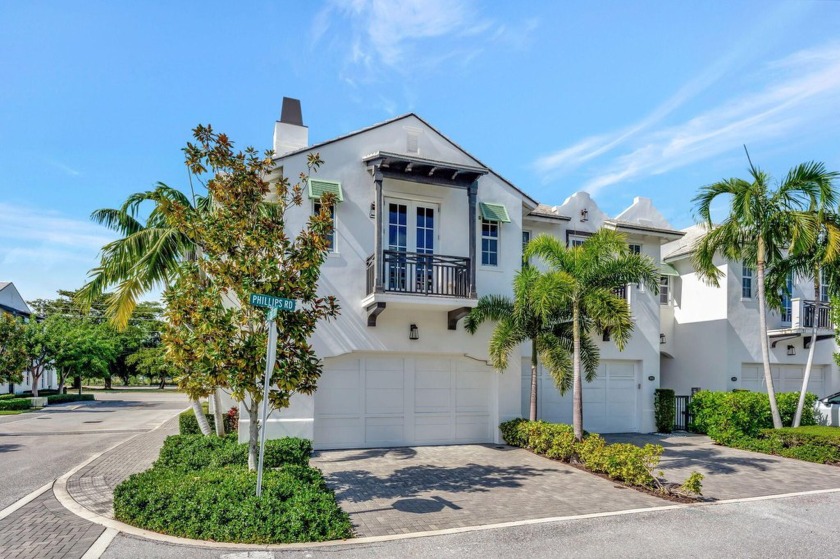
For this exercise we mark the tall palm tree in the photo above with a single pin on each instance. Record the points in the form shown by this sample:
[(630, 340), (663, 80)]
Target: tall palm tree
[(146, 256), (811, 260), (762, 224), (534, 314), (585, 278)]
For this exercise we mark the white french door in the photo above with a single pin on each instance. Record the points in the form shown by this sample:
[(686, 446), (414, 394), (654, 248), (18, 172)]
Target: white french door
[(412, 228)]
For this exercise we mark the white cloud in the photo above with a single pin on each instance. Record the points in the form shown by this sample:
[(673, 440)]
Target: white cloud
[(26, 225), (796, 95), (64, 168)]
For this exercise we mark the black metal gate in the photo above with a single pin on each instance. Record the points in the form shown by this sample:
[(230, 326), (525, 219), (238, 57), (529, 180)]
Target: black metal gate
[(682, 419)]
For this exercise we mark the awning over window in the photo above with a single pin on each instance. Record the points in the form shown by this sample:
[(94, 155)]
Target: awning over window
[(668, 270), (494, 212), (319, 187)]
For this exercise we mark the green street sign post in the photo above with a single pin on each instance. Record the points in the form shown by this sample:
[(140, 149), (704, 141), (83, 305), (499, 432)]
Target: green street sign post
[(274, 304)]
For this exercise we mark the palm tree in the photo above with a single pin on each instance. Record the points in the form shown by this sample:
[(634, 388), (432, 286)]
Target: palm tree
[(585, 278), (761, 225), (811, 260), (534, 314), (146, 256)]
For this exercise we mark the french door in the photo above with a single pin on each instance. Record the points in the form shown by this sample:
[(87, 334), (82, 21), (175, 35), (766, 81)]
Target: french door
[(410, 241)]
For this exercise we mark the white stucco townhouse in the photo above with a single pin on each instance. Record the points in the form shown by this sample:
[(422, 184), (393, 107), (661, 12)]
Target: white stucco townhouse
[(713, 340), (422, 229)]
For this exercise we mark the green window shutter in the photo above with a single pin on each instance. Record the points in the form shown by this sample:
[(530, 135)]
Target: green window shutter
[(668, 270), (319, 187), (494, 212)]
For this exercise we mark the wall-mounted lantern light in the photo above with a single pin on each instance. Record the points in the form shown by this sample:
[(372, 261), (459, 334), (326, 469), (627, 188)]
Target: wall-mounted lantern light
[(661, 339), (584, 214), (413, 332), (791, 350), (372, 213)]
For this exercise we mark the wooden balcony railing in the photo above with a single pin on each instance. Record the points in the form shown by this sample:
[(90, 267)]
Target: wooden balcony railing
[(421, 274)]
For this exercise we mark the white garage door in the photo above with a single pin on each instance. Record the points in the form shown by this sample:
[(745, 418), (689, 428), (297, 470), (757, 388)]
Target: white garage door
[(610, 402), (403, 401), (786, 378)]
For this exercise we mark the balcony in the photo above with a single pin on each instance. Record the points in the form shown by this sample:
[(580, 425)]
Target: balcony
[(804, 314), (410, 279)]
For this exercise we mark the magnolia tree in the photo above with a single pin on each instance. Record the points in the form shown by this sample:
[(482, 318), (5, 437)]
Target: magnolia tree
[(213, 335)]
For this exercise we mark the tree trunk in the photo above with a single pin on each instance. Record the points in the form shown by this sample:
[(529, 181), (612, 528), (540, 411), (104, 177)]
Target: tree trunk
[(577, 385), (36, 376), (218, 416), (800, 406), (200, 417), (61, 378), (253, 434), (162, 384), (762, 325), (533, 413), (107, 383)]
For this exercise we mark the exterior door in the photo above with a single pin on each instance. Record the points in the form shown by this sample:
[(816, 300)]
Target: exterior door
[(412, 229)]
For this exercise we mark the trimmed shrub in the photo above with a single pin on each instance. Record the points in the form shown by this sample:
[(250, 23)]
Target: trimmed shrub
[(664, 409), (64, 398), (728, 416), (195, 452), (623, 462), (15, 404), (219, 504)]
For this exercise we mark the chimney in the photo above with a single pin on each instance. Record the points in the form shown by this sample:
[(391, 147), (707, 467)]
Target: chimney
[(289, 132)]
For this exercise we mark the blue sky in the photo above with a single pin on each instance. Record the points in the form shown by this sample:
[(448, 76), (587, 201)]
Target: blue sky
[(618, 98)]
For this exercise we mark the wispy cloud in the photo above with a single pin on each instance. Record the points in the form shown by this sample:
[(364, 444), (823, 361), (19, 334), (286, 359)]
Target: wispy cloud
[(64, 168), (784, 99), (403, 36), (43, 251)]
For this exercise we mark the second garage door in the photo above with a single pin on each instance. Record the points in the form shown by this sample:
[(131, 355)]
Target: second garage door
[(786, 378), (403, 401), (610, 402)]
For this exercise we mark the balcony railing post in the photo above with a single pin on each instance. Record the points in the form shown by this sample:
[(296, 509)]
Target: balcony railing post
[(472, 195), (797, 310)]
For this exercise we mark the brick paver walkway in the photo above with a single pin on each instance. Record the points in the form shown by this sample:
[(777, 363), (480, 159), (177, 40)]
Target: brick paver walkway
[(44, 529), (731, 473), (93, 486), (403, 490)]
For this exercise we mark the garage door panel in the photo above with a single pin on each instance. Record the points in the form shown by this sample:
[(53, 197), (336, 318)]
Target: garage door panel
[(786, 378), (406, 400)]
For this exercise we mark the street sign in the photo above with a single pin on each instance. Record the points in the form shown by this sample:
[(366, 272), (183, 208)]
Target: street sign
[(272, 302)]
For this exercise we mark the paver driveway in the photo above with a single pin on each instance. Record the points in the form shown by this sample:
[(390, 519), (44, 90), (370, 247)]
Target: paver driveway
[(403, 490), (731, 473)]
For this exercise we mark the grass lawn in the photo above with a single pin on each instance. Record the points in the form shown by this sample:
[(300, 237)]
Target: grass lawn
[(12, 412)]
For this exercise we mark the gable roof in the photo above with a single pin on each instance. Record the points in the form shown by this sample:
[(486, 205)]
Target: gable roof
[(527, 198), (11, 301)]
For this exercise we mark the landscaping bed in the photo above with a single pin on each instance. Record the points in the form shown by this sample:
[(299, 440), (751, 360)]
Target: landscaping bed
[(742, 420), (188, 424), (65, 398), (627, 463), (200, 488), (15, 404)]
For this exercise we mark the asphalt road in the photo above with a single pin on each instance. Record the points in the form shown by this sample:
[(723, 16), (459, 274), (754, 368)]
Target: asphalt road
[(803, 526), (38, 447)]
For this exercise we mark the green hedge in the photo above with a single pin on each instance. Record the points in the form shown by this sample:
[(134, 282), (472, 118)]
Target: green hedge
[(188, 424), (728, 416), (623, 462), (219, 504), (199, 488), (13, 404), (196, 452), (27, 394), (813, 444), (664, 409), (64, 398)]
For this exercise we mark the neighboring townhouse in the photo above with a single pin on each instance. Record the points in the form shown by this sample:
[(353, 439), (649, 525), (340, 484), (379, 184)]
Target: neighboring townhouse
[(422, 230), (620, 399), (12, 303), (712, 333)]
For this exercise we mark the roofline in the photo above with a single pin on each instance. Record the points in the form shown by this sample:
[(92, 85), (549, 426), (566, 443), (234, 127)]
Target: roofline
[(678, 256), (635, 227), (422, 160), (556, 217), (526, 197), (14, 310)]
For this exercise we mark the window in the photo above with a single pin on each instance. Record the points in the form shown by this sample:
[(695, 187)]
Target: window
[(635, 249), (316, 209), (786, 302), (823, 287), (526, 238), (489, 243), (746, 282), (664, 288), (575, 241)]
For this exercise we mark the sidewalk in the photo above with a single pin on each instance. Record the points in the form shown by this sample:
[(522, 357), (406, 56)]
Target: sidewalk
[(93, 486)]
